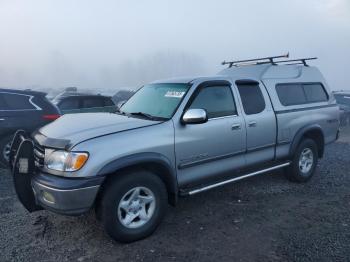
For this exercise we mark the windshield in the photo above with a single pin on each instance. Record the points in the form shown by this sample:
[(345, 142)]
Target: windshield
[(156, 100)]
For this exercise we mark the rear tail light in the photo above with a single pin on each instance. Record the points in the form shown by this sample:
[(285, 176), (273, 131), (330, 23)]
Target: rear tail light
[(51, 117)]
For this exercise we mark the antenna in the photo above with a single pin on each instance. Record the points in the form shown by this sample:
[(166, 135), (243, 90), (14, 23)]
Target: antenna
[(269, 59)]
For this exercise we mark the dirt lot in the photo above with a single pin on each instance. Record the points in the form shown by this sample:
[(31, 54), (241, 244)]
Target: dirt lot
[(265, 218)]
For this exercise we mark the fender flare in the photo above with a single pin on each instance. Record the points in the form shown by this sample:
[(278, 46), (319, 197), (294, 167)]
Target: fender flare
[(299, 135), (138, 159)]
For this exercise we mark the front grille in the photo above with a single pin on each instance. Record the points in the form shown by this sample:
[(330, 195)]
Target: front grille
[(39, 155)]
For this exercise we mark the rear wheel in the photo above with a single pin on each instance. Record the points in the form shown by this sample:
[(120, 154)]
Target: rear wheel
[(133, 205), (304, 162), (5, 147)]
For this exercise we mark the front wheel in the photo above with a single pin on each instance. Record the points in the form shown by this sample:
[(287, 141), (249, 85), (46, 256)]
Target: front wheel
[(304, 162), (133, 205)]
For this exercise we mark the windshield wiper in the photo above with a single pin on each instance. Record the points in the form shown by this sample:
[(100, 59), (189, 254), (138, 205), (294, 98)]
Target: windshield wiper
[(120, 112), (155, 118)]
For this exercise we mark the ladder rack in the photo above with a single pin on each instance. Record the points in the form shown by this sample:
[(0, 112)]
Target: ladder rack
[(296, 61), (268, 60)]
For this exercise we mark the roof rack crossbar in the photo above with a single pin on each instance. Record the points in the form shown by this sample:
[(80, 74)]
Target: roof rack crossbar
[(300, 61), (269, 59)]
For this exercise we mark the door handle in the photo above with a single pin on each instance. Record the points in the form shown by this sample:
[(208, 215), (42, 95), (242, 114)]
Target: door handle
[(236, 127), (2, 119), (252, 124)]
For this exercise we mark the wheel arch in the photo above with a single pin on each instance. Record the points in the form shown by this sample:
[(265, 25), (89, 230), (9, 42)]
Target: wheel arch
[(153, 162), (313, 132)]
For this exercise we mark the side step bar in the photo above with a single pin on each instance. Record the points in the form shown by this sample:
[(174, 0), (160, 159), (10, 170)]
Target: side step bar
[(199, 190)]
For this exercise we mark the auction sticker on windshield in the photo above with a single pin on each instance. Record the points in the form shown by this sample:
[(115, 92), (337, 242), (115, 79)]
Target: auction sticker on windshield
[(176, 94)]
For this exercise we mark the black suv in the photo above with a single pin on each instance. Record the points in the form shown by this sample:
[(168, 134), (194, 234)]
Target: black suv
[(22, 109), (73, 102)]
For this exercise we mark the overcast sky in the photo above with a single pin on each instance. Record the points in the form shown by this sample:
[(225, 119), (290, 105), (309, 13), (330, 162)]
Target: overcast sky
[(108, 44)]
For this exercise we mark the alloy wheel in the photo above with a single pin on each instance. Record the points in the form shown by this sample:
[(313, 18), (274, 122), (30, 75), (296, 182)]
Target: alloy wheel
[(136, 207), (306, 160)]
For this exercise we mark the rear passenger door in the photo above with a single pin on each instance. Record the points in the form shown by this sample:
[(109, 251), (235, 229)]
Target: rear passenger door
[(260, 122)]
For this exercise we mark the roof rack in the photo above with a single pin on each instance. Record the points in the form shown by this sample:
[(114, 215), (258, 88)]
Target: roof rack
[(263, 60), (296, 61), (269, 60)]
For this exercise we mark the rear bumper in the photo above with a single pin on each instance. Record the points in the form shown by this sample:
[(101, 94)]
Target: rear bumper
[(67, 196)]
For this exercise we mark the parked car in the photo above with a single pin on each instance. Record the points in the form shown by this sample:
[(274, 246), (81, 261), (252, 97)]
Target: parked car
[(122, 96), (74, 102), (343, 100), (188, 135), (26, 110)]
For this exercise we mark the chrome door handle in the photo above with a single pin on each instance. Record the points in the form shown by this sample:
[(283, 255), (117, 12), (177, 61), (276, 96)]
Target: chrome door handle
[(252, 124), (236, 127), (2, 119)]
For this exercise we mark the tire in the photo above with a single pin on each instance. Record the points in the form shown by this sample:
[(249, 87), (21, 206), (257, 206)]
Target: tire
[(304, 161), (119, 204), (5, 145)]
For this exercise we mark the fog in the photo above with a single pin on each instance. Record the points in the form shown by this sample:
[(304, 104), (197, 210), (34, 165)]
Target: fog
[(113, 44)]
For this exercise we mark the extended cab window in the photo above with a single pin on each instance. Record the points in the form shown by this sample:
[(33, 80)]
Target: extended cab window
[(252, 98), (16, 102), (216, 100), (301, 93)]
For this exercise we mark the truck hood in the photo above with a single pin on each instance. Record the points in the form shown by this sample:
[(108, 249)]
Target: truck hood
[(75, 128)]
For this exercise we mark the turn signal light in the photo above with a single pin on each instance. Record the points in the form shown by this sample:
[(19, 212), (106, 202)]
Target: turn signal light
[(79, 161)]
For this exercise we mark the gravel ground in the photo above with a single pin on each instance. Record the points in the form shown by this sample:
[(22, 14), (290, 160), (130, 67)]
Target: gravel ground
[(264, 218)]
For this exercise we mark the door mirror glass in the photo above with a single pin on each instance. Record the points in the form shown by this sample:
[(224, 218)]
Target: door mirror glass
[(195, 116)]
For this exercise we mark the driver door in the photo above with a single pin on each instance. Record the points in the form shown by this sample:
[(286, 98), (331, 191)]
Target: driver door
[(208, 151)]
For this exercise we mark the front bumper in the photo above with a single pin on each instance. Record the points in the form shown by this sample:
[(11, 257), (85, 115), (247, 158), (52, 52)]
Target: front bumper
[(67, 196), (36, 189)]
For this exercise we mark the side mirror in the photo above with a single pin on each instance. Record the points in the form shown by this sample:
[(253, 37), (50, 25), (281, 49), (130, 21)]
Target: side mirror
[(195, 116)]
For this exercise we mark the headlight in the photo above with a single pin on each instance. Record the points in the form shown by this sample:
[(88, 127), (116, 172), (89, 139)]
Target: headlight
[(65, 161)]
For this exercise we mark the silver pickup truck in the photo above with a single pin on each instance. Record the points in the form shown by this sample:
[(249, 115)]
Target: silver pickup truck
[(176, 138)]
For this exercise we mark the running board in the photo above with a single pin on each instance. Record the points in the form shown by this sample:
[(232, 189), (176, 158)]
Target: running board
[(199, 190)]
